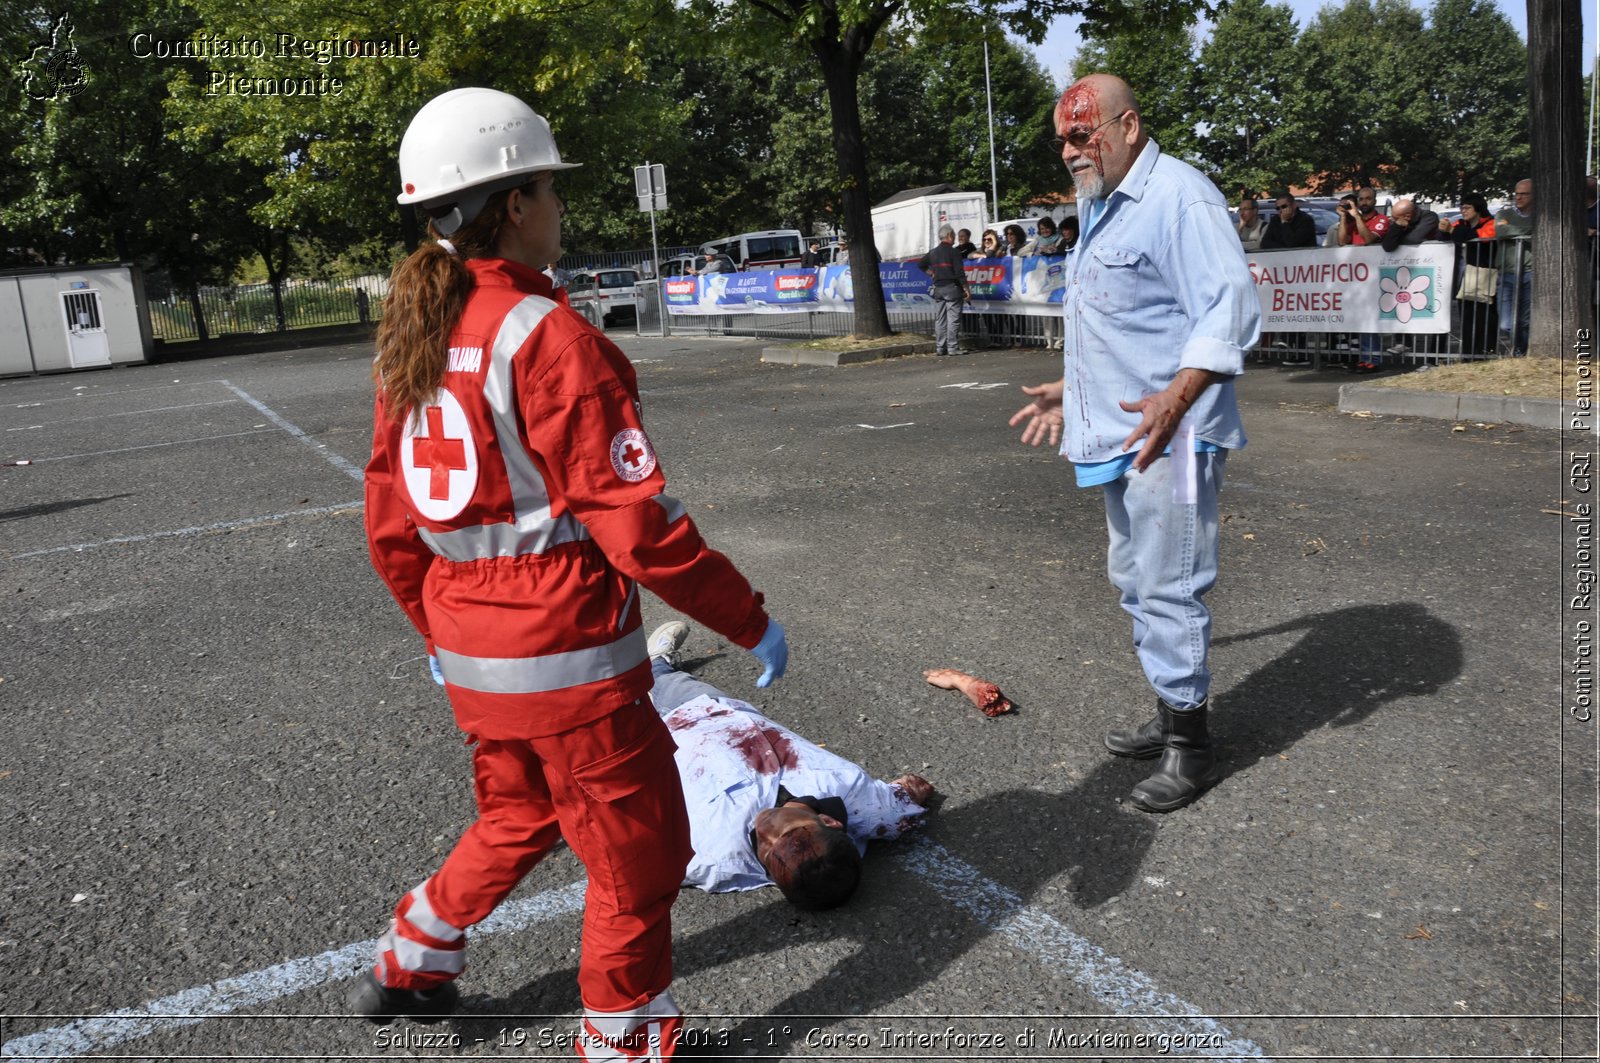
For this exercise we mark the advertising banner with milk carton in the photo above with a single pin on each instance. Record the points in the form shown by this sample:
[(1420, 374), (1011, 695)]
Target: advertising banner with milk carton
[(1031, 286)]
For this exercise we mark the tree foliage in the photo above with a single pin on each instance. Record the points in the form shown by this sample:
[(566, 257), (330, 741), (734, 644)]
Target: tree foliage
[(1250, 90), (1156, 58), (1476, 103)]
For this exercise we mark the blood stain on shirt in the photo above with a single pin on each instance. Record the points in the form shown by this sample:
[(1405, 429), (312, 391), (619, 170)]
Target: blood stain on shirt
[(766, 750)]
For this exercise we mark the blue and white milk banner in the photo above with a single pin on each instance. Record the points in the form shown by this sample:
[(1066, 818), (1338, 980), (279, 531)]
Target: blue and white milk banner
[(1356, 289), (761, 291), (1030, 286)]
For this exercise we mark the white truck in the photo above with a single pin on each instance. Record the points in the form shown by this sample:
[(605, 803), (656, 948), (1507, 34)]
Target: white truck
[(910, 228)]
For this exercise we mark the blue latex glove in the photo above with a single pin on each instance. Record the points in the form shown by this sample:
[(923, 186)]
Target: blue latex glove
[(433, 666), (772, 651)]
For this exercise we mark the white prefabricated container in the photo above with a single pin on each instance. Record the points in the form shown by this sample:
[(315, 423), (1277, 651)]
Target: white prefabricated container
[(910, 228)]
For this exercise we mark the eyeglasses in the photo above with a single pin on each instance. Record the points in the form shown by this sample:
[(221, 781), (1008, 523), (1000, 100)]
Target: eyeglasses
[(1079, 138)]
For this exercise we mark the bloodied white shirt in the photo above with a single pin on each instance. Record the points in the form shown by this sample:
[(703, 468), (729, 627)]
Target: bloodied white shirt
[(733, 759)]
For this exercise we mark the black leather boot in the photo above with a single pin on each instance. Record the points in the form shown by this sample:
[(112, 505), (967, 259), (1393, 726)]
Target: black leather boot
[(376, 1002), (1187, 766), (1141, 744)]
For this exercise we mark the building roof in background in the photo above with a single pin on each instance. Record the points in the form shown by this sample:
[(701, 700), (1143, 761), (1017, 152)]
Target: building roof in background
[(918, 193)]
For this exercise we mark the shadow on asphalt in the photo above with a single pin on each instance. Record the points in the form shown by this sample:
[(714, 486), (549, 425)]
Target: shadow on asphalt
[(1346, 665), (44, 509)]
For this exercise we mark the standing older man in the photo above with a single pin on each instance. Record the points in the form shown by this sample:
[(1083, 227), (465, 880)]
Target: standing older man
[(1160, 309), (946, 267)]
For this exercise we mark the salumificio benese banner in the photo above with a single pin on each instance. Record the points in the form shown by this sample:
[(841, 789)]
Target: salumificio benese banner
[(1030, 285), (1356, 289)]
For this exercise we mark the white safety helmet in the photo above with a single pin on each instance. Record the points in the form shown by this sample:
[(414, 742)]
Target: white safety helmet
[(468, 144)]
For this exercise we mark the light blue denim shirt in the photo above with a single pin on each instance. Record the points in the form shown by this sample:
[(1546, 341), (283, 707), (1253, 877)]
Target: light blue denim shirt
[(1156, 283)]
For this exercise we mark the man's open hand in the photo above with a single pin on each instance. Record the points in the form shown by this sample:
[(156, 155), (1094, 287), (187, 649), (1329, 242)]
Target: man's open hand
[(1043, 414)]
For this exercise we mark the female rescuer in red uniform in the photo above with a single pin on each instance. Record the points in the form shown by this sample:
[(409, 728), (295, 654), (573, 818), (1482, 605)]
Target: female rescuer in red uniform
[(514, 505)]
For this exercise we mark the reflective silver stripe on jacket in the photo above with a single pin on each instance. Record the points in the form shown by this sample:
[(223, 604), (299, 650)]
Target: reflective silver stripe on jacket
[(673, 507), (538, 675), (533, 531)]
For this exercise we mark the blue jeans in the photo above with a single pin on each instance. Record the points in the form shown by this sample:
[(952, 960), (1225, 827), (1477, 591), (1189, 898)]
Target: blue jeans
[(1516, 301), (1163, 559)]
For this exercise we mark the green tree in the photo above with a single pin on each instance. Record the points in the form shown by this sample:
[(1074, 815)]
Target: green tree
[(1366, 67), (96, 174), (840, 34), (1024, 98), (1477, 103), (329, 157), (1156, 56), (1251, 93)]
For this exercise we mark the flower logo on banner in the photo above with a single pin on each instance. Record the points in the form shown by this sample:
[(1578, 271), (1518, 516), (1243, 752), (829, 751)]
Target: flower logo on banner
[(1405, 292)]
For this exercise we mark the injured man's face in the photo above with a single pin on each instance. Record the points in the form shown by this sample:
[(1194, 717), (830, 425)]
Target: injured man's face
[(807, 853)]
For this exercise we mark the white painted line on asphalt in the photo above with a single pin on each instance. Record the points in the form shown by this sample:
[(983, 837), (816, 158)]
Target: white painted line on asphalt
[(881, 427), (1107, 978), (339, 463), (973, 385), (193, 1006), (153, 409), (199, 529), (151, 446), (112, 394)]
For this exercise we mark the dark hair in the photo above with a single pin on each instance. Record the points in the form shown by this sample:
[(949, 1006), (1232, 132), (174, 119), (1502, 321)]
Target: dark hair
[(1047, 220), (1021, 237), (1282, 193), (1477, 203), (815, 870), (1070, 223)]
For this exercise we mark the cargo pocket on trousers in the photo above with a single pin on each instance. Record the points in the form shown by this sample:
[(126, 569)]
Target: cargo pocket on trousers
[(638, 830)]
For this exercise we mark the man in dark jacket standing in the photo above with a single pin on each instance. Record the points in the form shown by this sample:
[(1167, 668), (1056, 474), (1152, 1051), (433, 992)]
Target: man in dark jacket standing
[(944, 265)]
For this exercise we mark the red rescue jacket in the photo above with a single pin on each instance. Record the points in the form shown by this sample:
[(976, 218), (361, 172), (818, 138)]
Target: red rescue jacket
[(513, 518)]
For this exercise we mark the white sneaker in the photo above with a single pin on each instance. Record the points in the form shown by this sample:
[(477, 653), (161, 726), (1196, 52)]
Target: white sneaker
[(666, 640)]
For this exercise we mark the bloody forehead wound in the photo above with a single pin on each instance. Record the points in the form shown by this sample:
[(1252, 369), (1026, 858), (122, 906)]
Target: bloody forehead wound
[(1079, 106)]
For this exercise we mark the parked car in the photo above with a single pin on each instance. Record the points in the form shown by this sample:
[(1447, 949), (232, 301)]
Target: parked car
[(614, 291), (678, 265)]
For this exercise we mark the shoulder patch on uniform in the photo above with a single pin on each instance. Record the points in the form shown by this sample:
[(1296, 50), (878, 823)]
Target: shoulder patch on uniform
[(439, 458), (632, 456)]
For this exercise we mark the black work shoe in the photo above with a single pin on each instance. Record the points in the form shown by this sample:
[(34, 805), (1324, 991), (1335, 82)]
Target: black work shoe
[(1188, 767), (1142, 744), (377, 1003)]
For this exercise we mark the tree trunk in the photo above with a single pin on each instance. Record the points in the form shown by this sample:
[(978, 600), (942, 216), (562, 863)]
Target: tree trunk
[(276, 271), (1562, 278), (200, 331), (841, 69)]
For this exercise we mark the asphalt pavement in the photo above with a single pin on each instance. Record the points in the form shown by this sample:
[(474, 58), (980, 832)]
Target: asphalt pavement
[(224, 759)]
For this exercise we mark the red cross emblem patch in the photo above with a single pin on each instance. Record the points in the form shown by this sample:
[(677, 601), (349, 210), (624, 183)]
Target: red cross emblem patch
[(632, 456), (439, 459)]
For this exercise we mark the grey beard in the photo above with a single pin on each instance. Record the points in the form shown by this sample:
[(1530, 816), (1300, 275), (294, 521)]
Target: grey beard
[(1089, 183)]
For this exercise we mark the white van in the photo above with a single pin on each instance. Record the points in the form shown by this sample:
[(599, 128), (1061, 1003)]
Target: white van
[(613, 294), (771, 249)]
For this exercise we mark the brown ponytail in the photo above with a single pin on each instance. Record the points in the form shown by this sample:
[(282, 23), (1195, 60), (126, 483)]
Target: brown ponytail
[(427, 292)]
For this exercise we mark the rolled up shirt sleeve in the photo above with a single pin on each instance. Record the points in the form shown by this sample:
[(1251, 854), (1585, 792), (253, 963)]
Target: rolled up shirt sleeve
[(1206, 265)]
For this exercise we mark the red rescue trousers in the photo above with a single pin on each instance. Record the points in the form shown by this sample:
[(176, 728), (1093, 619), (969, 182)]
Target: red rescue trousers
[(610, 788)]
